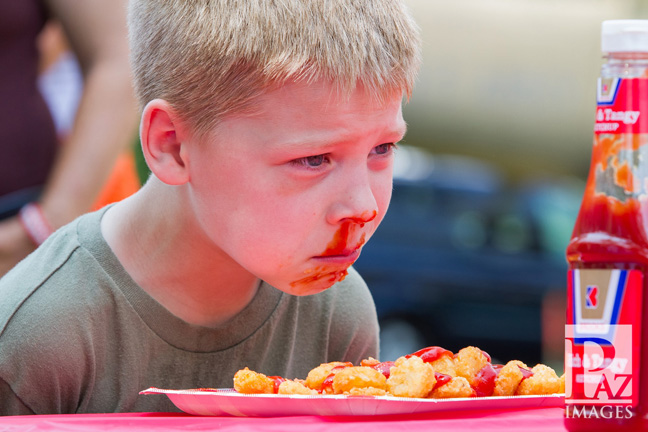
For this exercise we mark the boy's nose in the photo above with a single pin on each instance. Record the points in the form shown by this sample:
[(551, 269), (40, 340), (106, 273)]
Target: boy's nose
[(356, 202)]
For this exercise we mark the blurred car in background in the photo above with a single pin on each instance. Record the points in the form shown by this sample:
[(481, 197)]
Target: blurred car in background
[(463, 258)]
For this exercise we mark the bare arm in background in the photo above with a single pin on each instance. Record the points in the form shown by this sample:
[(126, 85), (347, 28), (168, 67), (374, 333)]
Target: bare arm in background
[(105, 122)]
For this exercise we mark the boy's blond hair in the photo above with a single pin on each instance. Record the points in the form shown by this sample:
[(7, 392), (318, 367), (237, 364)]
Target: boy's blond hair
[(211, 58)]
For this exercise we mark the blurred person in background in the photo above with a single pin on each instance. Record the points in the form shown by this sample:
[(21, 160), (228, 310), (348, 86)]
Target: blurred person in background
[(51, 173)]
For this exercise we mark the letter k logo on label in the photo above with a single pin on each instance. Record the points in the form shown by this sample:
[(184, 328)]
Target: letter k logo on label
[(591, 297)]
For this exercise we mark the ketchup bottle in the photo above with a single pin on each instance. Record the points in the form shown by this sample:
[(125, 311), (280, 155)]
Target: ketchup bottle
[(606, 338)]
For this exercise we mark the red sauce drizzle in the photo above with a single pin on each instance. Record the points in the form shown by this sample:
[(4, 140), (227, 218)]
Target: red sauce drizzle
[(488, 357), (327, 384), (526, 373), (430, 354), (277, 382), (441, 379), (384, 367), (484, 377), (484, 382)]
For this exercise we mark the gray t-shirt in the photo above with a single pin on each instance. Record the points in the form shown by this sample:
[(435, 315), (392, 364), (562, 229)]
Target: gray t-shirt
[(78, 335)]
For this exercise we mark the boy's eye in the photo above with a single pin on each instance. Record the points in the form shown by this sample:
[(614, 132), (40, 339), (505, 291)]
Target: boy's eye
[(311, 161), (384, 148), (314, 161)]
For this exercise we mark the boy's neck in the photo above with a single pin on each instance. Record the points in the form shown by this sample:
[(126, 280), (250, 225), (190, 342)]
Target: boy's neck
[(172, 263)]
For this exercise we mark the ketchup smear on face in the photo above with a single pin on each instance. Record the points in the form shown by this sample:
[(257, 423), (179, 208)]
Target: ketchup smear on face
[(346, 233), (338, 246), (319, 274)]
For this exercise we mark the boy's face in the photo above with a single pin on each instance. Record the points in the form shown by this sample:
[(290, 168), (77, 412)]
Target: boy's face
[(292, 193)]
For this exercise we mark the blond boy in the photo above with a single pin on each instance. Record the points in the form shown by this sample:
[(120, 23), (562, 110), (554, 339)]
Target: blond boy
[(269, 129)]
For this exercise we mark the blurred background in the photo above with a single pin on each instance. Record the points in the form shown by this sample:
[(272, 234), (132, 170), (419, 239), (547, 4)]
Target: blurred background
[(489, 179)]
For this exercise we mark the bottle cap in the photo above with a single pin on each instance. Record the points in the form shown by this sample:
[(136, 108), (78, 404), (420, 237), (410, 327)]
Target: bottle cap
[(624, 36)]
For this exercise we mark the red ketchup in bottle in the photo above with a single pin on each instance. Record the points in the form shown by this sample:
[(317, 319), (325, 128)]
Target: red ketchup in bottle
[(606, 342)]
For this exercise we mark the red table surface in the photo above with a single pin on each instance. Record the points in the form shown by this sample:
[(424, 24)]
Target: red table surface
[(527, 420)]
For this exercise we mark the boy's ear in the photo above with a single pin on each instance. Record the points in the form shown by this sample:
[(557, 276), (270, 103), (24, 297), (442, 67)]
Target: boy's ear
[(163, 143)]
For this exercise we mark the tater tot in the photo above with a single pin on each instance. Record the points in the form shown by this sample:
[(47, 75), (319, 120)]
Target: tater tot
[(431, 372), (411, 377), (369, 362), (317, 375), (250, 382), (358, 377), (509, 378), (543, 381), (457, 387), (468, 361), (445, 365), (295, 387)]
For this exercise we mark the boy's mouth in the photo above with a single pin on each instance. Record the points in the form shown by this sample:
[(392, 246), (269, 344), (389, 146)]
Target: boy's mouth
[(347, 255)]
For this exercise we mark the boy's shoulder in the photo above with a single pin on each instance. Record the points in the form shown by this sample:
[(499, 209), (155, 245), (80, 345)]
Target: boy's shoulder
[(49, 315), (49, 290)]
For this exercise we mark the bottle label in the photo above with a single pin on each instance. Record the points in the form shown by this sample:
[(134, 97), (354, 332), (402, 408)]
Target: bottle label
[(619, 110), (602, 340)]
